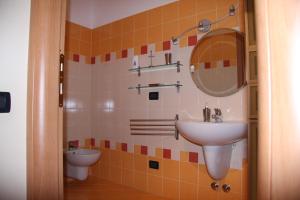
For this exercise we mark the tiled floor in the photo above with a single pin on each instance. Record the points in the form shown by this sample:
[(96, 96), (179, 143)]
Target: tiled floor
[(99, 189)]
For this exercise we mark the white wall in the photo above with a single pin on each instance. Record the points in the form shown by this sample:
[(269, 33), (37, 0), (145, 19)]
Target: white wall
[(14, 41), (94, 13), (114, 105)]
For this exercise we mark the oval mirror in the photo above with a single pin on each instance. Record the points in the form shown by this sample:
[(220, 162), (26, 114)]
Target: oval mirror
[(217, 62)]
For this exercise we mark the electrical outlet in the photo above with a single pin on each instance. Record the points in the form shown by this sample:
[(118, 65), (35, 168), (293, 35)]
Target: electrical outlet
[(153, 95), (153, 164)]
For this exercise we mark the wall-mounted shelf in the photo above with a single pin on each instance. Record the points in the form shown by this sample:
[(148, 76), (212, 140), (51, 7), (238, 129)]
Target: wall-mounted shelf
[(156, 68), (156, 85)]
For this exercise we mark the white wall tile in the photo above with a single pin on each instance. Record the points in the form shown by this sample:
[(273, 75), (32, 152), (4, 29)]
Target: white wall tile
[(109, 83)]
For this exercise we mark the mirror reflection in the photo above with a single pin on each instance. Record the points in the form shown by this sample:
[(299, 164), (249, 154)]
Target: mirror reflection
[(217, 62)]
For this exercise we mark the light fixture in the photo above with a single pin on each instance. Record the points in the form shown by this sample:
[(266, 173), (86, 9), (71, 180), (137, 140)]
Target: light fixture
[(204, 25)]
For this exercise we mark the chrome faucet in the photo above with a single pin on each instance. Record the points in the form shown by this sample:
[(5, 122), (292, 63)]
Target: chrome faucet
[(218, 115), (206, 114)]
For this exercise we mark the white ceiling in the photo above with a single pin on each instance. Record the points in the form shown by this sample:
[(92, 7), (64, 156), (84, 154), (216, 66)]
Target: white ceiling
[(94, 13)]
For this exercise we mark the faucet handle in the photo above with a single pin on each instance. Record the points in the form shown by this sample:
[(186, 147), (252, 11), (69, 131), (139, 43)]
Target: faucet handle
[(218, 111)]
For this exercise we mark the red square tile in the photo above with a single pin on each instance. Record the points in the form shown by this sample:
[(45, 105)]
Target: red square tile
[(144, 150), (124, 53), (144, 49), (166, 45), (193, 157), (107, 144), (75, 57), (92, 142), (93, 60), (167, 153), (226, 63), (207, 65), (124, 147), (192, 40), (107, 57)]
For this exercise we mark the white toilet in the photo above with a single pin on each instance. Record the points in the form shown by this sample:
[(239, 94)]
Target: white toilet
[(78, 161)]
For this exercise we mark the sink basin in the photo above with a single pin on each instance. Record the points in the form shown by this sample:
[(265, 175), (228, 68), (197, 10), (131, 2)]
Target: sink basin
[(217, 140), (210, 133)]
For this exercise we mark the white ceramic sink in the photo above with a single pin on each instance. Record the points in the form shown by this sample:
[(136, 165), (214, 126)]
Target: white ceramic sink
[(217, 140), (210, 133)]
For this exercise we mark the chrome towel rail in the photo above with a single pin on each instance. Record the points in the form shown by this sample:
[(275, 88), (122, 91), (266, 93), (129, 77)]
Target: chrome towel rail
[(154, 127)]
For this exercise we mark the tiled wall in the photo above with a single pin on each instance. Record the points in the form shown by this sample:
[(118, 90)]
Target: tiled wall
[(78, 43), (78, 103), (184, 179), (112, 48), (156, 26)]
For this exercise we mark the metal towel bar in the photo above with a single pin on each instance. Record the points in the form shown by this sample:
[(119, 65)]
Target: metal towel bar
[(154, 127), (152, 120)]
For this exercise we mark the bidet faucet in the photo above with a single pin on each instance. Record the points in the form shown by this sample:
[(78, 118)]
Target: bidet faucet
[(218, 115)]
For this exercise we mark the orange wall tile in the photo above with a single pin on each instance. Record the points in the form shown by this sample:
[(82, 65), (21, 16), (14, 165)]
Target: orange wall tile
[(128, 24), (188, 22), (155, 16), (174, 179), (155, 185), (116, 174), (189, 172), (187, 8), (184, 156), (140, 181), (127, 40), (158, 153), (171, 188), (72, 30), (140, 163), (117, 28), (141, 21), (207, 193), (188, 191), (140, 37), (72, 45), (170, 12), (128, 177), (85, 34), (85, 48), (171, 169), (206, 5), (115, 158), (116, 43), (127, 159), (152, 26), (204, 180), (170, 29), (78, 39), (106, 31), (155, 33)]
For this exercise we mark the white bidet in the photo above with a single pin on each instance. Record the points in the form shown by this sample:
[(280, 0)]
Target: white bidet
[(78, 161)]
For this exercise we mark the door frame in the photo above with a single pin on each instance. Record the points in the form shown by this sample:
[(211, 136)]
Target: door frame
[(278, 47), (279, 109), (44, 117)]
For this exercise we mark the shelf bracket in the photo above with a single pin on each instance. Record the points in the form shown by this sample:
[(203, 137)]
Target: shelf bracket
[(178, 66), (178, 86), (139, 71), (139, 88), (176, 130)]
